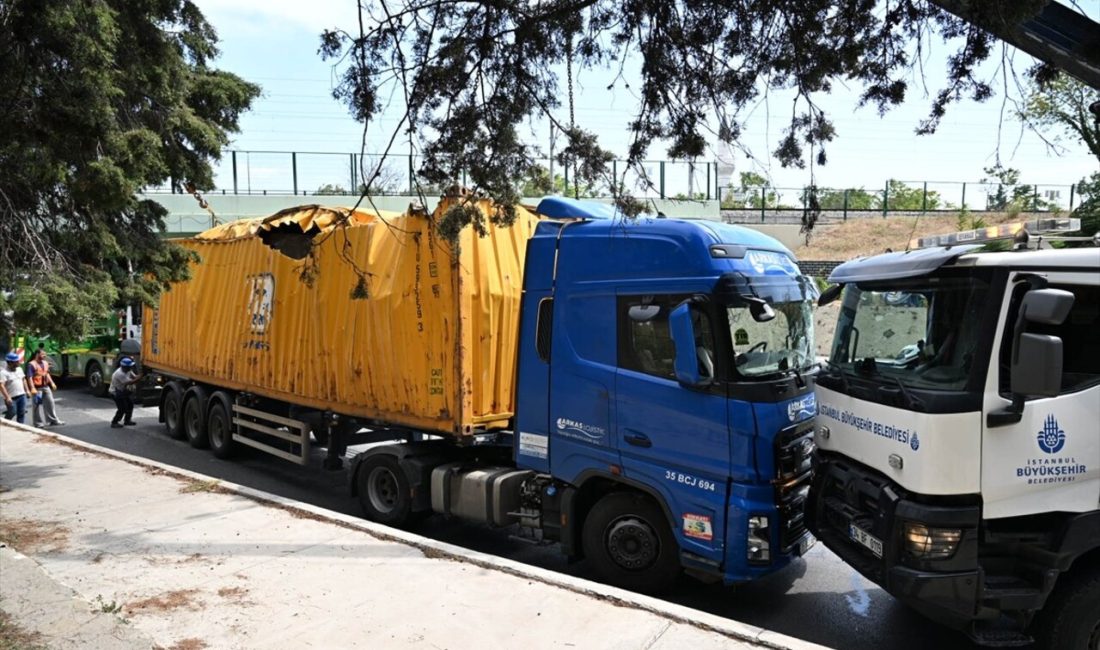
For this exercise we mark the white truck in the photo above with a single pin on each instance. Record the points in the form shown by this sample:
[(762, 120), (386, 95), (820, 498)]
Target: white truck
[(958, 434)]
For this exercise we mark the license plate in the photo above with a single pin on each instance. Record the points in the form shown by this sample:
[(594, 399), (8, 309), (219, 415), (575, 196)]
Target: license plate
[(865, 539), (806, 544)]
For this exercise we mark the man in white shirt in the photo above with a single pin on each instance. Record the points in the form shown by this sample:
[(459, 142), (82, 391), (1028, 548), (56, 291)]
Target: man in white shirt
[(14, 388), (122, 389)]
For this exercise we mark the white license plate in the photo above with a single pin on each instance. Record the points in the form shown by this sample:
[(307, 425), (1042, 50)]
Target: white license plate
[(865, 539), (806, 544)]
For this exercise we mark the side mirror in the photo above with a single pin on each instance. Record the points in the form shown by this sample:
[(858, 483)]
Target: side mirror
[(682, 331), (1046, 306), (759, 309), (1037, 366), (830, 294)]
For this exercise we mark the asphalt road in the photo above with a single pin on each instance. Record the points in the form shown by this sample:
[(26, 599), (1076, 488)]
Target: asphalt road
[(819, 599)]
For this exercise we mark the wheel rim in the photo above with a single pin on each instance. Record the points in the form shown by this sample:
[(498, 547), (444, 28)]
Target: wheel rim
[(95, 378), (192, 416), (172, 413), (382, 490), (632, 543)]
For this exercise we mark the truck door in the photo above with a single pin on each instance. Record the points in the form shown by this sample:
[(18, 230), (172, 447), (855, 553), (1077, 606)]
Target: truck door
[(1051, 457), (673, 439), (582, 376)]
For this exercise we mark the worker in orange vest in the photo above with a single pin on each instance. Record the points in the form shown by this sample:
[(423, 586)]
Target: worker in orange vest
[(42, 389)]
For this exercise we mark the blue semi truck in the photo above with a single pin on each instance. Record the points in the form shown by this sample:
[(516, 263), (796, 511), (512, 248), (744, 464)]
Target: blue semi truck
[(664, 405)]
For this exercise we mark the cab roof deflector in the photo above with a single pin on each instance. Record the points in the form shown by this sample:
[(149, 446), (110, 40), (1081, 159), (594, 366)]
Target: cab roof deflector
[(892, 266)]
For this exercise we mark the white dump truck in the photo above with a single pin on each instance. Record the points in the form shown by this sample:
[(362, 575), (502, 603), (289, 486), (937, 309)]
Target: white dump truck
[(958, 433)]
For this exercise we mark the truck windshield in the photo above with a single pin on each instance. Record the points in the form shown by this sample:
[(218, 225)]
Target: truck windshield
[(783, 343), (924, 333)]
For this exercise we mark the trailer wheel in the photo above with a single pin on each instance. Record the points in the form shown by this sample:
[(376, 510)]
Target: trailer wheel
[(384, 491), (172, 410), (628, 541), (194, 418), (1071, 617), (219, 428)]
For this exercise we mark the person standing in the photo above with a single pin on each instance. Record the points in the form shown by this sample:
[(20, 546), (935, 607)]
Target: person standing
[(42, 389), (14, 388), (122, 390)]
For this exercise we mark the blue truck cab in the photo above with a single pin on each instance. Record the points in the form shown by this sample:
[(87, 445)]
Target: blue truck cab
[(663, 390), (663, 410)]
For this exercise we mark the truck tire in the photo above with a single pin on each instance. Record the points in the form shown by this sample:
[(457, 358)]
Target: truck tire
[(628, 542), (98, 383), (384, 491), (171, 410), (1070, 620), (194, 418), (219, 427)]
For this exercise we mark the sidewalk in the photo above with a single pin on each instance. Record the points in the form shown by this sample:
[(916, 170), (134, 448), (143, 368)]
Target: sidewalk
[(120, 552)]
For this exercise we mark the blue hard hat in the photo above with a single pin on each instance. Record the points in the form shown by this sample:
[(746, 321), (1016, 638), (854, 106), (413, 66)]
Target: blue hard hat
[(126, 362), (12, 356)]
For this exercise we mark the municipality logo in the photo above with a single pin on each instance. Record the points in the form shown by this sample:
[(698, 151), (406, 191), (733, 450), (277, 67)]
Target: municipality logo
[(914, 441), (1051, 438), (801, 408)]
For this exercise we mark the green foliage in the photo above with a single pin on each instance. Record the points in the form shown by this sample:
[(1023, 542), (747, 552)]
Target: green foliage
[(1089, 209), (98, 100), (474, 74), (904, 198), (331, 189), (753, 193), (536, 183), (857, 199), (1010, 196), (1062, 103)]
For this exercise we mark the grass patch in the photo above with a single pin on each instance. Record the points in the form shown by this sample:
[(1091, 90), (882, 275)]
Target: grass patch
[(194, 486), (177, 599), (32, 536), (13, 637), (107, 607)]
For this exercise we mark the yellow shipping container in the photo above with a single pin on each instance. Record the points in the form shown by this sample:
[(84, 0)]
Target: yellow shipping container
[(431, 345)]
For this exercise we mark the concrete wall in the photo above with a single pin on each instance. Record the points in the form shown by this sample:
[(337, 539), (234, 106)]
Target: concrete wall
[(185, 215), (787, 234)]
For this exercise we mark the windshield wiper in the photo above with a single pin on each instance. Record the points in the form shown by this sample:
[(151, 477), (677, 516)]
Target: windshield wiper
[(832, 365), (785, 366), (913, 402)]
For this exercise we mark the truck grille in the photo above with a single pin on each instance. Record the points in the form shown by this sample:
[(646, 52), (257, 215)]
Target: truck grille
[(851, 496), (793, 459)]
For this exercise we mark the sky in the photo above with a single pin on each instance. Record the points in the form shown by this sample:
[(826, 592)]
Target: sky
[(274, 43)]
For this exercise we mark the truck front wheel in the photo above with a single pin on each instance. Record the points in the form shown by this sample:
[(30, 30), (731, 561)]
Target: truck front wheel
[(628, 541), (1071, 617), (384, 491)]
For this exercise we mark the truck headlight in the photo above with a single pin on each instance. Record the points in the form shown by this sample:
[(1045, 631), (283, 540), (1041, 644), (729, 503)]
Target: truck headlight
[(759, 538), (931, 543)]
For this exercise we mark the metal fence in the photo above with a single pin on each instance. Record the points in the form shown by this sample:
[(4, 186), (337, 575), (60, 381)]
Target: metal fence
[(312, 173), (906, 197), (320, 173)]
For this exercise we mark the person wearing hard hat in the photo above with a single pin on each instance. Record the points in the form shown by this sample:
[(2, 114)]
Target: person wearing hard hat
[(14, 388), (122, 389)]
